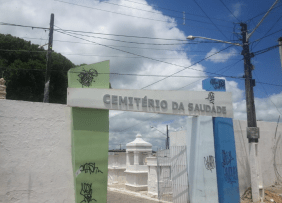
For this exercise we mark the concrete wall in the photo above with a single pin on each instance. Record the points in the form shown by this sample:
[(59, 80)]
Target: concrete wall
[(35, 153), (177, 138), (117, 160), (116, 167), (152, 176), (267, 143)]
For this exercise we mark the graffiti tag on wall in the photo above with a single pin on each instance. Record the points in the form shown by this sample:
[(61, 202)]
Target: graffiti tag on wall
[(209, 162), (90, 167), (217, 84), (87, 77), (230, 172), (211, 97), (86, 192)]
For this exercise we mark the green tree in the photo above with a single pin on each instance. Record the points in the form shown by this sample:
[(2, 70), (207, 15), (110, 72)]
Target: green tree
[(25, 70)]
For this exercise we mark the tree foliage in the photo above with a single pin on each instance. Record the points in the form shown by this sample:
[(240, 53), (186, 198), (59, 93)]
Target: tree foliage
[(24, 71)]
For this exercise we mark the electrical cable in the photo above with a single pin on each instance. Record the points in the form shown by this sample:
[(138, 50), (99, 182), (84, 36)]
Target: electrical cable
[(200, 42), (151, 48), (27, 26), (153, 6), (148, 11), (265, 50), (268, 30), (229, 66), (128, 15), (262, 13), (118, 35), (229, 10), (195, 81), (268, 95), (120, 74), (210, 19), (34, 27), (189, 67), (79, 54), (266, 36)]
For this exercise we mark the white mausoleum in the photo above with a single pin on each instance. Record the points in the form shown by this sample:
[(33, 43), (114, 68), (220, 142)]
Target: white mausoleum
[(136, 164)]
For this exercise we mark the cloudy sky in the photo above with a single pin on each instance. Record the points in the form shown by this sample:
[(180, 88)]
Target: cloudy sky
[(123, 30)]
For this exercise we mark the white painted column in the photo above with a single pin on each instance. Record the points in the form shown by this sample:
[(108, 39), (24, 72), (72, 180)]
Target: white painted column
[(127, 159), (256, 175), (136, 158), (201, 162)]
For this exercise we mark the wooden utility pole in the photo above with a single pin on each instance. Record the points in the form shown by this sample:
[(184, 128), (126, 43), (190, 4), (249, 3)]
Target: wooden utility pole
[(48, 61), (252, 129), (249, 81)]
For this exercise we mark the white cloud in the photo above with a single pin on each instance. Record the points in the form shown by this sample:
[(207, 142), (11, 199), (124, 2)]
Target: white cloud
[(37, 13), (237, 9), (267, 109), (221, 57)]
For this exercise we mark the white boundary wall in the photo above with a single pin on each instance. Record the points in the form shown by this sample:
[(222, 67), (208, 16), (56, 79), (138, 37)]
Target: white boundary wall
[(266, 147), (35, 153)]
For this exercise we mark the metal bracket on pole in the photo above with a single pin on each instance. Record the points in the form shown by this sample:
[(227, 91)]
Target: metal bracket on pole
[(252, 132)]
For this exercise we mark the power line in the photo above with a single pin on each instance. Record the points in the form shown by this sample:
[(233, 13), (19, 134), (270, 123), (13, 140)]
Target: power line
[(200, 42), (146, 11), (262, 13), (271, 8), (44, 28), (28, 26), (210, 19), (151, 48), (189, 67), (131, 15), (115, 56), (269, 30), (268, 96), (229, 66), (265, 50), (118, 35), (229, 10), (266, 36), (185, 67), (175, 10), (119, 74)]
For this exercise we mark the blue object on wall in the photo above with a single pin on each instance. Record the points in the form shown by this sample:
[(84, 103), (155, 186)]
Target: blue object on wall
[(214, 84), (225, 151)]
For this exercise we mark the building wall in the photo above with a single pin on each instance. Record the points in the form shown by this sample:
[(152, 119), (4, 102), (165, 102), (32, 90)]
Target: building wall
[(35, 153), (152, 176), (117, 159), (116, 168), (267, 144), (36, 162)]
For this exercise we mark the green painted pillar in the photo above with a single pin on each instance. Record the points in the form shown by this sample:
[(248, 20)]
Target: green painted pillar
[(90, 136)]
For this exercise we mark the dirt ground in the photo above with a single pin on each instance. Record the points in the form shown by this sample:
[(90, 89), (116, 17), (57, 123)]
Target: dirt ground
[(271, 194), (118, 194)]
